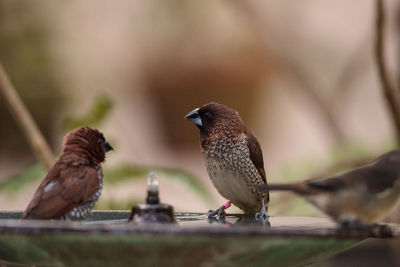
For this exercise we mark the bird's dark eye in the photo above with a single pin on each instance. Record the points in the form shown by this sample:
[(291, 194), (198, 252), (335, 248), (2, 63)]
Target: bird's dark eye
[(207, 115), (100, 141)]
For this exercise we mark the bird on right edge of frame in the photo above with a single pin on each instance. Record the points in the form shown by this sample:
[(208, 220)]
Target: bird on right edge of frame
[(357, 199), (233, 158)]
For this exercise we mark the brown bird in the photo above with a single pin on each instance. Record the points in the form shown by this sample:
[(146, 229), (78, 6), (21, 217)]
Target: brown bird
[(233, 158), (358, 198), (74, 183)]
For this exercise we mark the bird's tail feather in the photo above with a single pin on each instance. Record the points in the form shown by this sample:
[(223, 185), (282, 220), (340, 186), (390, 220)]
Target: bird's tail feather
[(281, 187), (298, 188)]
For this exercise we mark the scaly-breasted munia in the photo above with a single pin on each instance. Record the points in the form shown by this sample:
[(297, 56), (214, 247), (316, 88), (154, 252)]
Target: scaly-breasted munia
[(360, 197), (74, 183), (233, 158)]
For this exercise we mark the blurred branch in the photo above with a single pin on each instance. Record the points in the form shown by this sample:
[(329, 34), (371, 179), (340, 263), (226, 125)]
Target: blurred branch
[(389, 91), (24, 119), (398, 44)]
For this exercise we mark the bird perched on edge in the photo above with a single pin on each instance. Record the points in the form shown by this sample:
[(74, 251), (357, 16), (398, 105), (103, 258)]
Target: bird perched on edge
[(233, 158), (74, 183), (358, 198)]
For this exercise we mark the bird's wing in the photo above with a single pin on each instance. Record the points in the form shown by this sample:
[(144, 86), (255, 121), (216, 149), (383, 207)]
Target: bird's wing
[(63, 188), (256, 154), (380, 179), (326, 184), (375, 178)]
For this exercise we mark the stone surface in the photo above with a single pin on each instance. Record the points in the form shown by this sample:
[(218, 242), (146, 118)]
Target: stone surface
[(106, 238)]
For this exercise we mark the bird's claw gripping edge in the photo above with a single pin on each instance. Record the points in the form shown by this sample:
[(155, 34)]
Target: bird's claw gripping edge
[(217, 219), (220, 212), (263, 214)]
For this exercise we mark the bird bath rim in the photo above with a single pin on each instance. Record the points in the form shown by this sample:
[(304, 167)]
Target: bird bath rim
[(189, 223)]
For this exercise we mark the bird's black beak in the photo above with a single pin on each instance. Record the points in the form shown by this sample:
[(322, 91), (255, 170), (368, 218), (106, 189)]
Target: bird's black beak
[(194, 117), (107, 147)]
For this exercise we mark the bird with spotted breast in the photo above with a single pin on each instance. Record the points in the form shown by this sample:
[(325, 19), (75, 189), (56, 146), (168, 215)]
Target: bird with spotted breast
[(233, 158), (74, 184), (358, 198)]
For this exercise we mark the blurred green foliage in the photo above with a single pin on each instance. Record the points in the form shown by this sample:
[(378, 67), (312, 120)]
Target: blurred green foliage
[(117, 205), (101, 107), (349, 152), (25, 178), (129, 172), (126, 171), (130, 249)]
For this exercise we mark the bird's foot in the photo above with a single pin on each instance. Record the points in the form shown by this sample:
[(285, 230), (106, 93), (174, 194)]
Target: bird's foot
[(381, 230), (216, 219), (220, 212), (375, 230), (263, 214), (354, 225)]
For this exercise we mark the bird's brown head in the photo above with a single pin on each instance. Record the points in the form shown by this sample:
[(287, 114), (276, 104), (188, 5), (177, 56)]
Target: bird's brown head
[(88, 142), (214, 117)]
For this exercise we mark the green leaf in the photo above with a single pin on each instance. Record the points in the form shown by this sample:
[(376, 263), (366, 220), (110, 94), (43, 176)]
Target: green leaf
[(97, 114)]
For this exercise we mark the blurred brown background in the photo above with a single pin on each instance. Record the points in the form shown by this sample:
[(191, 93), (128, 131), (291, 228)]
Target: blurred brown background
[(301, 74)]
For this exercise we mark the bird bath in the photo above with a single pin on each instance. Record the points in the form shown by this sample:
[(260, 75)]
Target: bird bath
[(106, 239)]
